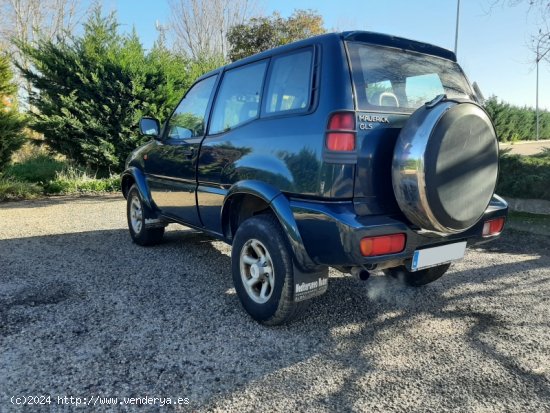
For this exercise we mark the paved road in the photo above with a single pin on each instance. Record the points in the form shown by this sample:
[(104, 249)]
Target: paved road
[(529, 148), (84, 312)]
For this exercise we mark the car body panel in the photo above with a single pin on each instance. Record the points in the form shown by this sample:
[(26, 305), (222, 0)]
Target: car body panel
[(170, 172)]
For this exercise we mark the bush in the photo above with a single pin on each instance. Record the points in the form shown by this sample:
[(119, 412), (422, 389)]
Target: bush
[(91, 91), (525, 176), (38, 168), (73, 180), (43, 175), (11, 190), (514, 123)]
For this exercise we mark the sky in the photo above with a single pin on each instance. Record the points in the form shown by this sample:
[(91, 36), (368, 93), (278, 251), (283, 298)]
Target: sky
[(493, 42)]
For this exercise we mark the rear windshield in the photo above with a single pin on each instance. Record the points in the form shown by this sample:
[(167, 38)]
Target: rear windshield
[(395, 79)]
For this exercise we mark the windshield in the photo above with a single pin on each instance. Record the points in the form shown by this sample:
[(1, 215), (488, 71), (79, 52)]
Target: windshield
[(399, 80)]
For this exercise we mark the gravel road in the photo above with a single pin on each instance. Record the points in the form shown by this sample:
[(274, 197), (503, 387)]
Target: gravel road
[(86, 313)]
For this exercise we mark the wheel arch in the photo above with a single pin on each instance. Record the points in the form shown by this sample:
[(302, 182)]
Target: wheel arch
[(135, 176), (249, 198)]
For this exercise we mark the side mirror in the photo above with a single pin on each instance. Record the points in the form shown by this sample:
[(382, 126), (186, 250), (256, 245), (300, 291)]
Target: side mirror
[(149, 127)]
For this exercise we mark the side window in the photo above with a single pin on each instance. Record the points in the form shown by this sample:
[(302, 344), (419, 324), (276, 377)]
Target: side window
[(289, 86), (187, 120), (239, 97)]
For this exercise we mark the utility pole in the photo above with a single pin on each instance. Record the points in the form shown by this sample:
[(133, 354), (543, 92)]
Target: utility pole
[(537, 121), (457, 20), (538, 59)]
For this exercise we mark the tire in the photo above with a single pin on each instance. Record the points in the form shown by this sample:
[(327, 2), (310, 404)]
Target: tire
[(135, 212), (418, 278), (261, 244)]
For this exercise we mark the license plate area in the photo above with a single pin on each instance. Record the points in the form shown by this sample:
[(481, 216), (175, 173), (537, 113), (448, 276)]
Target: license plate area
[(443, 254)]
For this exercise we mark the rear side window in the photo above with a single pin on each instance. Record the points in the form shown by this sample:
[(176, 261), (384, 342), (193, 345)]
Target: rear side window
[(239, 98), (289, 87), (388, 78)]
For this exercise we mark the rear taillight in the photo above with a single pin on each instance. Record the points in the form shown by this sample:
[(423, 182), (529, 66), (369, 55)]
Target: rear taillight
[(340, 135), (493, 227), (382, 245)]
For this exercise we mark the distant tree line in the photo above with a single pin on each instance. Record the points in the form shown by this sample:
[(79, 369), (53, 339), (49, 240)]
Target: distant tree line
[(515, 123), (85, 93)]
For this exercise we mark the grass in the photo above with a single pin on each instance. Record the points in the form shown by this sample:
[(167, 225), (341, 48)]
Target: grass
[(11, 190), (41, 174), (525, 176), (535, 223), (72, 180), (39, 169)]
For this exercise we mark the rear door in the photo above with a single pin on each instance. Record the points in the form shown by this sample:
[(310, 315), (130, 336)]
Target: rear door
[(171, 165)]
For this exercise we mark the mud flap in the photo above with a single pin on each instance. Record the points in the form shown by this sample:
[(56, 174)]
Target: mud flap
[(309, 284)]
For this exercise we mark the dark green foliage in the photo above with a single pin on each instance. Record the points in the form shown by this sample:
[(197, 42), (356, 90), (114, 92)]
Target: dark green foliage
[(515, 123), (525, 176), (92, 91), (12, 122), (263, 33), (39, 168)]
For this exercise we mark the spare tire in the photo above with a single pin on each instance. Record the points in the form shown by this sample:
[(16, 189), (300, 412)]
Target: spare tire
[(445, 165)]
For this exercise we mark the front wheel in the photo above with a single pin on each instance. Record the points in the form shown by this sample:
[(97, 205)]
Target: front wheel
[(418, 278), (135, 211), (263, 272)]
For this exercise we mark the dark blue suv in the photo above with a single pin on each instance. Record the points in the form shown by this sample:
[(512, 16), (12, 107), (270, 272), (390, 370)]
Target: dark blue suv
[(357, 150)]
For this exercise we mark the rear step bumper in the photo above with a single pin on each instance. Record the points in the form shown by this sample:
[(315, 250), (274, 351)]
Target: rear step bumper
[(331, 232)]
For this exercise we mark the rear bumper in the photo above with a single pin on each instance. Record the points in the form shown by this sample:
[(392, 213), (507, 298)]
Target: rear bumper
[(332, 232)]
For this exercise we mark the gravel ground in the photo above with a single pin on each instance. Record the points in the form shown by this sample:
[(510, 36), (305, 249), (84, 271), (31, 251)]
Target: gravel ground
[(85, 313), (526, 147)]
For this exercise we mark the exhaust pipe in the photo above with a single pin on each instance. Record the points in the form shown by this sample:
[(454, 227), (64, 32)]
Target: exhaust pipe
[(360, 273)]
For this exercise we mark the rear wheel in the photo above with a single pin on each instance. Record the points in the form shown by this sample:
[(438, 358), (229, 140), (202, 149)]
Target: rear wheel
[(418, 278), (263, 272), (135, 211)]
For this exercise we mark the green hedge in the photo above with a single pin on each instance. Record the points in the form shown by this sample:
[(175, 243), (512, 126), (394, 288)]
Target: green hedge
[(525, 176), (515, 123)]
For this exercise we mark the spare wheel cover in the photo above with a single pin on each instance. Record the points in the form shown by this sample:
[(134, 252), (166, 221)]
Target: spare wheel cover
[(445, 166)]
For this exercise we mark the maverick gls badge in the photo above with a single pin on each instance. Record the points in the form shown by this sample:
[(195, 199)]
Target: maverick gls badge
[(366, 121)]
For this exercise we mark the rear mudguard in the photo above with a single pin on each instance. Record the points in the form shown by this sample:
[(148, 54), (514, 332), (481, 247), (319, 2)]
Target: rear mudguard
[(310, 279)]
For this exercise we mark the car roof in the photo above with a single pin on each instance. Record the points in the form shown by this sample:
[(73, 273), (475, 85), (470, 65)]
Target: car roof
[(373, 38)]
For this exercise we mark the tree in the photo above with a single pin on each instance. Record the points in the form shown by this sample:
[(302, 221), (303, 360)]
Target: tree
[(263, 33), (23, 21), (91, 91), (540, 38), (11, 121), (515, 123), (200, 26)]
